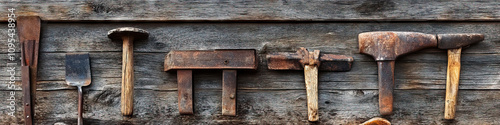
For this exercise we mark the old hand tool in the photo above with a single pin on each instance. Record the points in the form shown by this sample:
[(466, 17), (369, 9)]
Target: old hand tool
[(385, 47), (78, 74), (227, 60), (310, 62), (128, 35), (454, 44), (29, 37), (376, 121)]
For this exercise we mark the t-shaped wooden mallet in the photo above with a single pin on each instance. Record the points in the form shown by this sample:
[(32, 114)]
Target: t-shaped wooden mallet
[(227, 60), (310, 63), (454, 44), (128, 35), (385, 47)]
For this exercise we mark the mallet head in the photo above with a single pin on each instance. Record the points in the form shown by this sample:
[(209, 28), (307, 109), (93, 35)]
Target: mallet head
[(136, 33)]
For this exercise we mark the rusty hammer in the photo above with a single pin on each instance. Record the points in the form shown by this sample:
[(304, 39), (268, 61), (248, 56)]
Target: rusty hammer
[(227, 60), (310, 63), (386, 46), (454, 43)]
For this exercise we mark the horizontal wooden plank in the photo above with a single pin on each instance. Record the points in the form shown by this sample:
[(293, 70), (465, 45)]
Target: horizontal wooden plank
[(260, 107), (210, 59), (417, 71), (336, 38), (269, 10)]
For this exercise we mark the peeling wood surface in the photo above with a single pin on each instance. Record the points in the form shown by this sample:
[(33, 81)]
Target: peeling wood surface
[(262, 10), (263, 96)]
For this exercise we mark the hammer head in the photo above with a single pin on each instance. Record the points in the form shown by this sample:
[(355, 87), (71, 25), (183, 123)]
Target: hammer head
[(136, 33), (388, 45), (295, 61), (453, 41)]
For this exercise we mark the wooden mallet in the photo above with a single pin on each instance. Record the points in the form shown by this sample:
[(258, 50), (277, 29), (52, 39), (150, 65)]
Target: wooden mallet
[(454, 44), (310, 63), (128, 35)]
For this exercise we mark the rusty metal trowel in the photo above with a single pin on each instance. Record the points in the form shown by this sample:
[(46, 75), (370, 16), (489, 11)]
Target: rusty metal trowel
[(78, 74)]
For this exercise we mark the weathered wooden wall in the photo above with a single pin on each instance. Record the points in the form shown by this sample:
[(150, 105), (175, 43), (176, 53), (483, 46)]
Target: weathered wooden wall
[(264, 96)]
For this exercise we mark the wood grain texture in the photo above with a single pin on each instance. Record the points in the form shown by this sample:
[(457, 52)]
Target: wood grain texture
[(264, 96), (263, 107), (452, 78), (311, 80), (127, 95), (268, 10)]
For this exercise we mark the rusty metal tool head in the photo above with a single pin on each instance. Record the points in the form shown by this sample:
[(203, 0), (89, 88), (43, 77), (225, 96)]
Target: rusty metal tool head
[(454, 44), (127, 35), (29, 38), (385, 47), (226, 60), (78, 74), (310, 62)]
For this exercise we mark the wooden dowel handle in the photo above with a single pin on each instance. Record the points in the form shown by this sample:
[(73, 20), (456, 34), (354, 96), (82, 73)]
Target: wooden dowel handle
[(385, 86), (311, 78), (127, 100), (452, 78)]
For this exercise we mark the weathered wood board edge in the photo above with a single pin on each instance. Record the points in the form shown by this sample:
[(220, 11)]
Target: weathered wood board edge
[(276, 11)]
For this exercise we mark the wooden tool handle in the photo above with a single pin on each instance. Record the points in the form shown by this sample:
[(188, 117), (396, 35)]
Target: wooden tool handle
[(452, 78), (28, 114), (80, 106), (127, 100), (311, 78), (385, 86)]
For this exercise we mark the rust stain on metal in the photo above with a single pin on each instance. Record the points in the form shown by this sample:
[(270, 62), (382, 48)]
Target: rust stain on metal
[(29, 37), (296, 61), (229, 92), (453, 41), (389, 45), (228, 60), (385, 47), (185, 91), (216, 59), (309, 62)]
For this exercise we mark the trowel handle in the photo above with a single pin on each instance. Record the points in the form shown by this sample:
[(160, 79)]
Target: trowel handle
[(80, 106), (311, 78), (127, 100), (385, 86), (452, 78)]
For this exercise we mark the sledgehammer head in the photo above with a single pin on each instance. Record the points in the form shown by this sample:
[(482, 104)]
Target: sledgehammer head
[(388, 45)]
